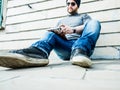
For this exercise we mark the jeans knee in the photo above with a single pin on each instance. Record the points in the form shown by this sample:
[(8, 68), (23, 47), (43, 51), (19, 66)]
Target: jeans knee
[(47, 35), (95, 23), (94, 26)]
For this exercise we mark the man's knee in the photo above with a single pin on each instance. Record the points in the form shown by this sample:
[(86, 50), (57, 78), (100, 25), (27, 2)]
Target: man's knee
[(94, 26), (94, 23)]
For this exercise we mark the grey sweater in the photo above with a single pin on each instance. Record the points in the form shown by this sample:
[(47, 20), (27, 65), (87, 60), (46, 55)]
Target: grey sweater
[(73, 21)]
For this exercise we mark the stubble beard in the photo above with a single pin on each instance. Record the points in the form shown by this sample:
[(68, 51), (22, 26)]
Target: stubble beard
[(71, 11)]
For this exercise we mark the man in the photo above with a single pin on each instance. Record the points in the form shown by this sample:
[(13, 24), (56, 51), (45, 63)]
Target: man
[(75, 41)]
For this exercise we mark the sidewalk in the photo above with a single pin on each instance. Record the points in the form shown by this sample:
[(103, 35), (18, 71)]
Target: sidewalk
[(61, 75)]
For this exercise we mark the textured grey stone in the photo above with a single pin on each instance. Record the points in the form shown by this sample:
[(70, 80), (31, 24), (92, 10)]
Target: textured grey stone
[(61, 75)]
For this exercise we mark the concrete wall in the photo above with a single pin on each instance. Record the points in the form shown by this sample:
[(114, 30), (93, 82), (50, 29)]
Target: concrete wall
[(27, 20)]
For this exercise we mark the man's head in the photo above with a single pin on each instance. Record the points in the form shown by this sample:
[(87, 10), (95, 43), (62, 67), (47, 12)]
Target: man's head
[(77, 2), (72, 6)]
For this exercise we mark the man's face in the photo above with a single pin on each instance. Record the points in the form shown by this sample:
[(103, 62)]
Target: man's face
[(72, 7)]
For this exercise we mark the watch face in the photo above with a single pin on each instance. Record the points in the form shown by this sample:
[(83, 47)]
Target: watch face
[(74, 30)]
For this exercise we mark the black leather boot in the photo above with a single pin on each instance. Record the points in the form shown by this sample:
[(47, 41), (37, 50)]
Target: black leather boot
[(22, 58), (79, 57)]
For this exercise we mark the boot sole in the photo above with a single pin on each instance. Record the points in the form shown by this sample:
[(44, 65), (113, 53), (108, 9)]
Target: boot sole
[(81, 61), (10, 60)]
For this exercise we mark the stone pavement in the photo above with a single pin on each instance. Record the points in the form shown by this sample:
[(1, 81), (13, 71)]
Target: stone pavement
[(61, 75)]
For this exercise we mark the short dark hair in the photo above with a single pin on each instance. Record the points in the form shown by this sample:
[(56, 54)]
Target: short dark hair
[(77, 2)]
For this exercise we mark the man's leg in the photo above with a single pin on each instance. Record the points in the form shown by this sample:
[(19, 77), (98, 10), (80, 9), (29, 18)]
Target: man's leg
[(23, 58), (36, 55), (63, 48), (83, 48), (27, 57)]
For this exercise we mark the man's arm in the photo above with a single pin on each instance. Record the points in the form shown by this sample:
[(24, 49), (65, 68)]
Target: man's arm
[(78, 29), (69, 30)]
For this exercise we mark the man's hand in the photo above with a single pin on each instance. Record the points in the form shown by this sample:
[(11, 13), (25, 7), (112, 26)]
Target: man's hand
[(66, 29), (58, 31)]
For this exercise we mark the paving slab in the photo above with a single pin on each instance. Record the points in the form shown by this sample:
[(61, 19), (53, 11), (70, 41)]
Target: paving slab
[(12, 79), (55, 70), (46, 83), (59, 75), (104, 70)]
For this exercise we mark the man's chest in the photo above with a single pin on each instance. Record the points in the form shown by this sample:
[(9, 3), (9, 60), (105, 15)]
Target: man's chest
[(72, 21)]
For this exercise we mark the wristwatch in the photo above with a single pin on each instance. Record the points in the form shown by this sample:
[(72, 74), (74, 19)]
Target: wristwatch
[(74, 30)]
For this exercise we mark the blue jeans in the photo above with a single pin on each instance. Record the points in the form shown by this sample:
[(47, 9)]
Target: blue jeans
[(63, 48)]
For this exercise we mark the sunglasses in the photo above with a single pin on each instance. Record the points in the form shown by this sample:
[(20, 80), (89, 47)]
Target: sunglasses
[(72, 3)]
